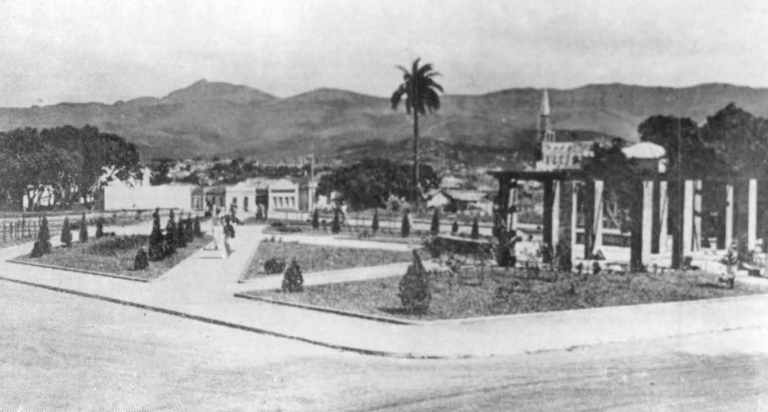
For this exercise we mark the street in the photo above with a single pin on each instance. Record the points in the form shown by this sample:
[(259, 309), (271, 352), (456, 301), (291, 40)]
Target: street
[(63, 352)]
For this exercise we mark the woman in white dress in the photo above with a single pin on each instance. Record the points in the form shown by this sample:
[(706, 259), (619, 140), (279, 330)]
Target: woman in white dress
[(216, 229)]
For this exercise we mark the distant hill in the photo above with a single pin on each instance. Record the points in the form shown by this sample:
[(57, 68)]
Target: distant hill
[(220, 119)]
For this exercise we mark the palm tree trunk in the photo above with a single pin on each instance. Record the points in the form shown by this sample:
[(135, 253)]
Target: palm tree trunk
[(416, 197)]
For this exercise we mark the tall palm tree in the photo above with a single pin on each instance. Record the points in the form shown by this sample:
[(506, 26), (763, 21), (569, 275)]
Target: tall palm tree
[(420, 90)]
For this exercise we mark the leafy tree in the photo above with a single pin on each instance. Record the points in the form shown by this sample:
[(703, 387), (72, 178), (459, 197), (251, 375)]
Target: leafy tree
[(66, 233), (156, 238), (435, 228), (316, 219), (739, 139), (370, 182), (415, 294), (83, 235), (293, 281), (405, 226), (375, 223), (421, 95), (475, 234)]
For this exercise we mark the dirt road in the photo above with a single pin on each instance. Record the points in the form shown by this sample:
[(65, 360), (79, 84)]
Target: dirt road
[(62, 352)]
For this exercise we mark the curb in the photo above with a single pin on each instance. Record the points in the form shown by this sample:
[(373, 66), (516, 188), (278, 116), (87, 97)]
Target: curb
[(217, 322), (358, 315), (88, 272)]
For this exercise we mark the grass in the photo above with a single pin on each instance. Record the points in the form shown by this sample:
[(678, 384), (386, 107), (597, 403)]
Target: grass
[(317, 258), (114, 255), (456, 297)]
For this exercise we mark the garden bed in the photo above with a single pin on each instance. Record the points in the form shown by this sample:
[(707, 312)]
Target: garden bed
[(113, 255), (318, 258), (502, 293)]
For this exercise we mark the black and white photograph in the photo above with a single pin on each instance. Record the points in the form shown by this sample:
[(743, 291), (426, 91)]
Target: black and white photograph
[(385, 206)]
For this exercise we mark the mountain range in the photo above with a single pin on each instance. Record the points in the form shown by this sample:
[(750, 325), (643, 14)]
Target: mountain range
[(219, 119)]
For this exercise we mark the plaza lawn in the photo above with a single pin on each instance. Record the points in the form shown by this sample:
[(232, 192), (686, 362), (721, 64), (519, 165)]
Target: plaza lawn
[(114, 255), (317, 258), (454, 299)]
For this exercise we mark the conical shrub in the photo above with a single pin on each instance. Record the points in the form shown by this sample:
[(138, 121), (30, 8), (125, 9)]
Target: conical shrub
[(169, 243), (415, 295), (375, 223), (475, 229), (455, 228), (198, 231), (336, 224), (99, 227), (293, 281), (66, 233), (435, 228), (405, 226), (156, 239), (83, 235), (316, 219)]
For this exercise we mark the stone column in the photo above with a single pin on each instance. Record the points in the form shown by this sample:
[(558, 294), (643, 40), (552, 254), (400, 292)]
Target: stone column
[(549, 197), (664, 217), (728, 215), (598, 220), (697, 191), (512, 206), (647, 233), (752, 215), (688, 218), (574, 214), (555, 213)]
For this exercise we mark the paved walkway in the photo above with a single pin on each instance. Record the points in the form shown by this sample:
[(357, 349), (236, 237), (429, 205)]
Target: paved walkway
[(202, 287)]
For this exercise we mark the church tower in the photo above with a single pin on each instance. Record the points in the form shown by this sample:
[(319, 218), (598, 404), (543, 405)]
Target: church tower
[(546, 134)]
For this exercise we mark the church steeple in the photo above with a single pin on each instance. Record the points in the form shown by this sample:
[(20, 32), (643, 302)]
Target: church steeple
[(546, 134)]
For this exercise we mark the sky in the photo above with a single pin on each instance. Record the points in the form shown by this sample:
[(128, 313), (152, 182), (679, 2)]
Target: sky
[(84, 50)]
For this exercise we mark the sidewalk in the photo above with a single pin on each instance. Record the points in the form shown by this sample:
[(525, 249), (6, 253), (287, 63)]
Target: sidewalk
[(202, 288)]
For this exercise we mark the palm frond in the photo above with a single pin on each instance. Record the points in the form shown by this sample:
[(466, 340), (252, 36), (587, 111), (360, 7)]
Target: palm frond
[(423, 70), (397, 96), (431, 100), (415, 68), (429, 83)]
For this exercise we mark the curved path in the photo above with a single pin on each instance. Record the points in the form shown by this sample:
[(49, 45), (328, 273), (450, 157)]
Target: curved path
[(202, 288)]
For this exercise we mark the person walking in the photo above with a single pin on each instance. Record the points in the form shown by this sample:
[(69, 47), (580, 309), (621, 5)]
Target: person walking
[(216, 229), (229, 233)]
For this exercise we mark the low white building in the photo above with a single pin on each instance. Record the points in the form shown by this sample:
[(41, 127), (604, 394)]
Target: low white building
[(121, 197)]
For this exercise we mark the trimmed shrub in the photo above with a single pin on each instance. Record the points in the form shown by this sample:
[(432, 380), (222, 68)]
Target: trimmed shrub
[(169, 244), (435, 228), (83, 230), (141, 261), (455, 228), (414, 287), (274, 265), (197, 231), (293, 281), (375, 223), (181, 234), (99, 227), (316, 219), (66, 233), (156, 238), (475, 229), (405, 227), (44, 237), (336, 224)]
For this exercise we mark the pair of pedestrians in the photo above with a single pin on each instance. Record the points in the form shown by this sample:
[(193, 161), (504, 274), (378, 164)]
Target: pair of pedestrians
[(222, 230)]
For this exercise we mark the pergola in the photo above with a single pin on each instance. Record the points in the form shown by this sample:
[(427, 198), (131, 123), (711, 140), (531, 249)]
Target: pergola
[(649, 232)]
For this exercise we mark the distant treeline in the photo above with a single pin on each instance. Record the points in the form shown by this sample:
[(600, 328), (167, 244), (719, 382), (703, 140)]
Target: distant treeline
[(65, 161)]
